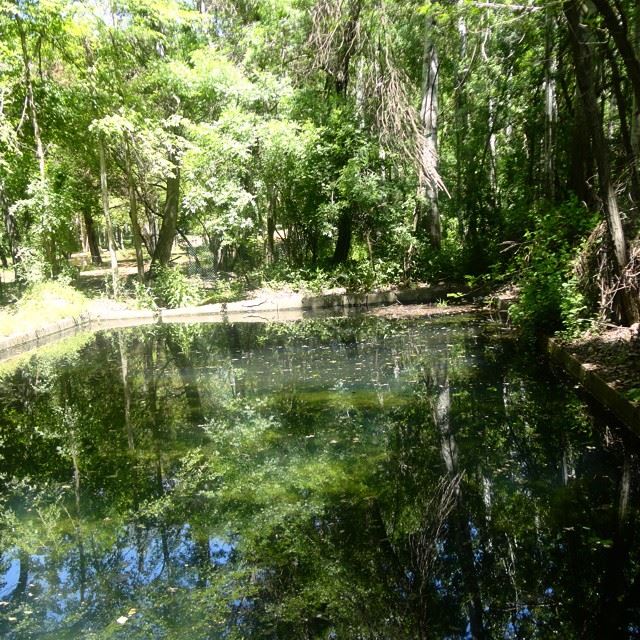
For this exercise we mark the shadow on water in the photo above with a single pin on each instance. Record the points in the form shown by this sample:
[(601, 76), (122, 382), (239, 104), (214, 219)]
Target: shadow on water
[(347, 478)]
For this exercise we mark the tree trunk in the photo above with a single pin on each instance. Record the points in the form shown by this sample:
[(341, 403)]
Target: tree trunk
[(616, 24), (133, 213), (460, 520), (20, 589), (189, 382), (581, 157), (343, 243), (49, 244), (162, 253), (107, 215), (345, 222), (271, 229), (149, 230), (461, 119), (625, 134), (10, 226), (92, 236), (84, 241), (346, 50), (427, 200), (583, 62), (550, 108)]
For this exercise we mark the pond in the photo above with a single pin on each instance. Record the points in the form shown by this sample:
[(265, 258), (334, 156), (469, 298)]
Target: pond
[(354, 477)]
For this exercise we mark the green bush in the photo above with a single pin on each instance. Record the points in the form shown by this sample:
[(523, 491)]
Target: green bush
[(32, 267), (172, 289), (550, 299)]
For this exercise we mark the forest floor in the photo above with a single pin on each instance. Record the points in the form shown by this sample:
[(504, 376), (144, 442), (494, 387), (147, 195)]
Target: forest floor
[(614, 354)]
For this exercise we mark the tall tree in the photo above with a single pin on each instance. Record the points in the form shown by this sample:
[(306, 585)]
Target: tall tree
[(104, 189), (427, 201), (584, 67)]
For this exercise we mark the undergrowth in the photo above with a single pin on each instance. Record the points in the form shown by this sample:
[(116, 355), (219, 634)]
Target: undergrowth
[(43, 302), (550, 298)]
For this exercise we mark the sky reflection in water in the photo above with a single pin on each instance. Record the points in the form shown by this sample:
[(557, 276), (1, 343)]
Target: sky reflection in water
[(334, 478)]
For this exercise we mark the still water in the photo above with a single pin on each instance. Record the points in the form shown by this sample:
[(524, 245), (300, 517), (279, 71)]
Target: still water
[(352, 478)]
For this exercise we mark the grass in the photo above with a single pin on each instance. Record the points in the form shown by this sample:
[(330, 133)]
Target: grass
[(42, 304)]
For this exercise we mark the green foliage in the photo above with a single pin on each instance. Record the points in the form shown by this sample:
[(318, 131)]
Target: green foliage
[(46, 213), (281, 275), (357, 275), (172, 289), (143, 295), (225, 290), (32, 267), (45, 301), (549, 298), (278, 156), (574, 309)]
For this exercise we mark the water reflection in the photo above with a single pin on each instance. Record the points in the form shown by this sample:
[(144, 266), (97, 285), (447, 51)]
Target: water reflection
[(351, 478)]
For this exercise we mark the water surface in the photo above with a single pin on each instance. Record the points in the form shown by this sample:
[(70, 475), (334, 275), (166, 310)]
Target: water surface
[(336, 478)]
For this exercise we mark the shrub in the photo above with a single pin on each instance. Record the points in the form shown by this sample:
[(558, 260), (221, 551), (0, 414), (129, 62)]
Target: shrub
[(550, 298), (171, 288)]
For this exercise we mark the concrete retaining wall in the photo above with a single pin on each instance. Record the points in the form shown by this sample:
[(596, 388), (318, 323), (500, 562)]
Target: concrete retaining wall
[(294, 307), (603, 392), (277, 308), (21, 342)]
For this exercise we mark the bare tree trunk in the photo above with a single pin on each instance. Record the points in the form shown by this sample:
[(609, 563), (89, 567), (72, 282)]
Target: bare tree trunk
[(343, 243), (625, 134), (189, 383), (581, 157), (84, 241), (460, 520), (149, 230), (346, 50), (33, 113), (427, 200), (550, 108), (162, 253), (133, 213), (23, 577), (492, 141), (107, 215), (461, 119), (583, 62)]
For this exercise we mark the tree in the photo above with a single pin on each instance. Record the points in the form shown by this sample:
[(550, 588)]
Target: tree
[(582, 58)]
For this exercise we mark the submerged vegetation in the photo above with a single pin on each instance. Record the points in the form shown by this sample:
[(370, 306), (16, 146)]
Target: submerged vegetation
[(327, 143), (348, 478)]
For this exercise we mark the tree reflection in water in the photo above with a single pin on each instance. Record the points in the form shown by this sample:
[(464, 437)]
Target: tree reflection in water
[(346, 478)]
